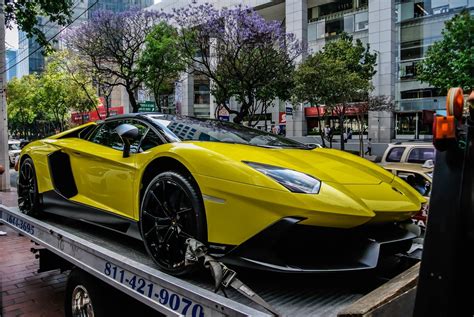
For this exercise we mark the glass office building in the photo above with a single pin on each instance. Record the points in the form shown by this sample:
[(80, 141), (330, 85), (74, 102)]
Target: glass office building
[(419, 25)]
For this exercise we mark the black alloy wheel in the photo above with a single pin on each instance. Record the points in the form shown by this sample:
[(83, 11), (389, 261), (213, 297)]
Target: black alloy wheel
[(171, 212), (28, 196)]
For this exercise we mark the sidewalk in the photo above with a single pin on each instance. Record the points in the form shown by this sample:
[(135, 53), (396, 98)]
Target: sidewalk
[(23, 292)]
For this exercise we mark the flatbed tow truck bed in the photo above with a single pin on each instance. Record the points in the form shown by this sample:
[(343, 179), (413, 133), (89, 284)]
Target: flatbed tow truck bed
[(123, 263)]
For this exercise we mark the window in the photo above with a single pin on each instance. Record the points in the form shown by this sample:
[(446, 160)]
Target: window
[(421, 155), (150, 141), (334, 27), (362, 21), (105, 135), (417, 181), (395, 154)]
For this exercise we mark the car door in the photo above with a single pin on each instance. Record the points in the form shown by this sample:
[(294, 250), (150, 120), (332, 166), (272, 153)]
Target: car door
[(104, 178)]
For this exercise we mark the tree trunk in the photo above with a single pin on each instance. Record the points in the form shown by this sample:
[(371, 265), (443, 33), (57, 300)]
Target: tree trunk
[(341, 127), (107, 105), (133, 101), (320, 129)]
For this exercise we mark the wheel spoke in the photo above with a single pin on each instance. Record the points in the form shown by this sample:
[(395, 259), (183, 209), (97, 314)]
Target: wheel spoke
[(185, 210), (149, 232), (146, 213), (168, 234), (160, 205)]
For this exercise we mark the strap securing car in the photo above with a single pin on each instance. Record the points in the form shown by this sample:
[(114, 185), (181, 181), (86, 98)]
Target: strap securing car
[(222, 275)]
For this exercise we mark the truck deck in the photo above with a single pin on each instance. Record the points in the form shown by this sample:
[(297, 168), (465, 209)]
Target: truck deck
[(122, 262)]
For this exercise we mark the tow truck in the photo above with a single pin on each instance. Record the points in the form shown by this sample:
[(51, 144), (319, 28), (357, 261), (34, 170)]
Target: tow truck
[(100, 260)]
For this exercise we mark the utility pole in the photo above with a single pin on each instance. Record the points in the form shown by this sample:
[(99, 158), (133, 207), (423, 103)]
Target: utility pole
[(4, 158)]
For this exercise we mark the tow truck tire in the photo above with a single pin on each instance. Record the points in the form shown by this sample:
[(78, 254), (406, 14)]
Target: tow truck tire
[(28, 197), (85, 296), (171, 211)]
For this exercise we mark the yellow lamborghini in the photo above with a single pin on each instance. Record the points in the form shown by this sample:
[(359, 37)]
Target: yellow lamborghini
[(254, 199)]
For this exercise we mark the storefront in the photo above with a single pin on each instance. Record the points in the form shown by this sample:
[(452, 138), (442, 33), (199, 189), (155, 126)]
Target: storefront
[(414, 125), (352, 116)]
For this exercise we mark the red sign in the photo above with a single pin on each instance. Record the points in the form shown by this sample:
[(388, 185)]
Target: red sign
[(79, 118), (282, 117), (313, 111)]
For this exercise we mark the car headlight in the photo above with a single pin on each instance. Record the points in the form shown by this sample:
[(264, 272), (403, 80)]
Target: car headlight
[(294, 181)]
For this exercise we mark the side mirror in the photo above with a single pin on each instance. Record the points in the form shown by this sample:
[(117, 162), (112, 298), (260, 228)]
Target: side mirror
[(127, 133)]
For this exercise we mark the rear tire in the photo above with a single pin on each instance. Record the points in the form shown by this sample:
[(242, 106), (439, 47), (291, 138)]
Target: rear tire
[(28, 196), (84, 296), (172, 211)]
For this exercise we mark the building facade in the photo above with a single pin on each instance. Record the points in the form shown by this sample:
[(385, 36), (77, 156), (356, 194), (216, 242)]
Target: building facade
[(11, 66), (31, 57), (399, 31)]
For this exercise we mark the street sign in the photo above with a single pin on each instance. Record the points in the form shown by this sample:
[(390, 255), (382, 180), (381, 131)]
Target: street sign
[(146, 106)]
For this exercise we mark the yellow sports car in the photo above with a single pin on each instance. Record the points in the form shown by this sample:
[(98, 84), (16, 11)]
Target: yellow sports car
[(253, 198)]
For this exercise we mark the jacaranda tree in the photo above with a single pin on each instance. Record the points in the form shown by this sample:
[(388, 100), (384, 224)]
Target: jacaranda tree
[(113, 44), (243, 55)]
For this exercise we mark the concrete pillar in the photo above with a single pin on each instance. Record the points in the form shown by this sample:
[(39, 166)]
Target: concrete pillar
[(187, 104), (296, 123), (383, 40), (296, 19)]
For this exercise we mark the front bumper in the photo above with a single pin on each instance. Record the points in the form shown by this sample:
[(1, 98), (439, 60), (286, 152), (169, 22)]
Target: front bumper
[(287, 246)]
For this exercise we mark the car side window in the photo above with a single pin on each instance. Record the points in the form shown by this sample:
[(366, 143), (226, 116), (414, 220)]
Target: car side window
[(142, 130), (417, 181), (150, 141), (106, 135), (395, 154), (421, 155)]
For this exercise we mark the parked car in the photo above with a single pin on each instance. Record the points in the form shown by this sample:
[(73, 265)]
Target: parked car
[(420, 177), (408, 152), (14, 150), (253, 198)]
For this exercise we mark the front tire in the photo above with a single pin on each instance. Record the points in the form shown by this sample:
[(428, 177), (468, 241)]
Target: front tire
[(171, 212), (28, 196)]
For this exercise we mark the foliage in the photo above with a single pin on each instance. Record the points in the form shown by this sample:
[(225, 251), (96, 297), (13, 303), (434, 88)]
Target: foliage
[(77, 71), (372, 103), (450, 62), (342, 71), (48, 98), (161, 61), (243, 55), (314, 76), (58, 94), (25, 12), (22, 110), (113, 43)]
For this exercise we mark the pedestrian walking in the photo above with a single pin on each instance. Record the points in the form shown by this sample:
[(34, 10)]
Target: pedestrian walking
[(369, 147)]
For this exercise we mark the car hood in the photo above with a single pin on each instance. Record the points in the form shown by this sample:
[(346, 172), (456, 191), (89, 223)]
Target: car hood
[(325, 164)]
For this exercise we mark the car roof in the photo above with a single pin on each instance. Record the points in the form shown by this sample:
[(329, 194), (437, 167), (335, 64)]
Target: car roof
[(408, 167), (418, 143)]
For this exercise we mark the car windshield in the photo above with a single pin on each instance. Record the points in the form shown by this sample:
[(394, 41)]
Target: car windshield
[(180, 128), (13, 146)]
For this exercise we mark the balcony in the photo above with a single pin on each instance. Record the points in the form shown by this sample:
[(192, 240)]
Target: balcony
[(411, 105)]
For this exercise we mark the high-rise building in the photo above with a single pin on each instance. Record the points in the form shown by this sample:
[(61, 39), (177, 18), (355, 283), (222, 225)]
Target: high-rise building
[(119, 5), (11, 63), (399, 31), (30, 54)]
